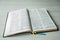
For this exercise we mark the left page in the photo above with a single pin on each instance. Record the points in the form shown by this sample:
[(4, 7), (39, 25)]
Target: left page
[(17, 22)]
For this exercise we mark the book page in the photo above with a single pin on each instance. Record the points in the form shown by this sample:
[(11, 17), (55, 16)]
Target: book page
[(17, 22), (41, 20)]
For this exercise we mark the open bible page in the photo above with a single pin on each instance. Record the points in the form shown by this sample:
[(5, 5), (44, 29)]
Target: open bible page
[(41, 20), (17, 22)]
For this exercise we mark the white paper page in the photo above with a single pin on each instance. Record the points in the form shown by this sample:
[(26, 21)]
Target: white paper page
[(17, 22), (41, 20)]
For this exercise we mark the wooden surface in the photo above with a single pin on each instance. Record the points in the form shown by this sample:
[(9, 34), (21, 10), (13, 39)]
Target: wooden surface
[(53, 6)]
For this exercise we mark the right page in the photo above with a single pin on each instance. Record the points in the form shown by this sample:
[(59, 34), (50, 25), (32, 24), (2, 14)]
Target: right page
[(41, 21)]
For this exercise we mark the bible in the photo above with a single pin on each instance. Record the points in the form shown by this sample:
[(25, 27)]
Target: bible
[(28, 20)]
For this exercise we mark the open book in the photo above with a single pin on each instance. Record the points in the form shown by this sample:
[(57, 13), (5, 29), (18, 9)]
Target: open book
[(28, 20)]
